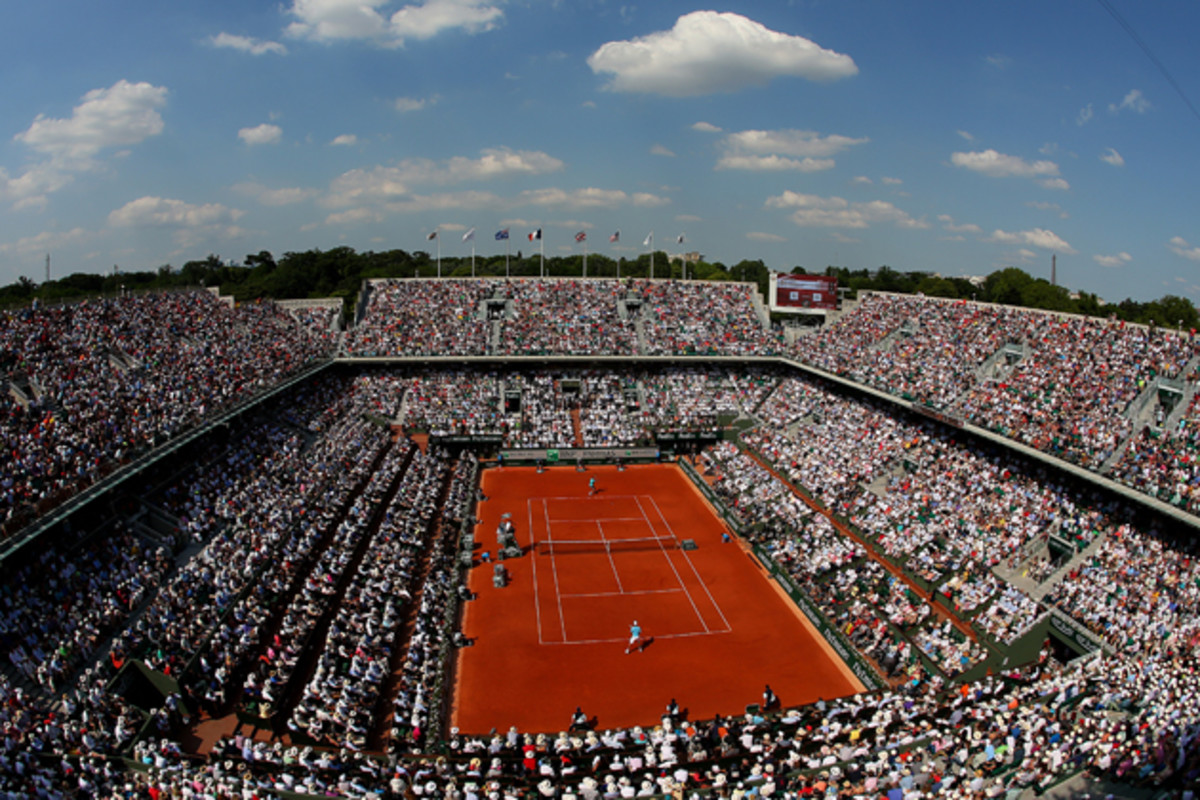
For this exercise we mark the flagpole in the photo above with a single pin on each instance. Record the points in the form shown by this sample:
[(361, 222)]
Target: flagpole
[(507, 250), (439, 241), (542, 239), (585, 258), (472, 258)]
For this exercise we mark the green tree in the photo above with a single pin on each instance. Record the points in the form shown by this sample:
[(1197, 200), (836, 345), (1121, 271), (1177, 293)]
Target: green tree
[(1006, 286), (934, 286)]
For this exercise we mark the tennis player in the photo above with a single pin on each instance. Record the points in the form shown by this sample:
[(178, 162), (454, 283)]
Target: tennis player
[(591, 485), (635, 638)]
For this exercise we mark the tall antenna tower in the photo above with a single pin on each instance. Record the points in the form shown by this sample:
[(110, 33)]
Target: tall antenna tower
[(1054, 270), (47, 267)]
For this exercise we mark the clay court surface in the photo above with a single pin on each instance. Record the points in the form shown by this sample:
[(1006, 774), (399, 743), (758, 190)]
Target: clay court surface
[(555, 637)]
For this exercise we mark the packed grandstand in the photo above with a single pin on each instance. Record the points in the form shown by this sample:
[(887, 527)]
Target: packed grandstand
[(213, 510)]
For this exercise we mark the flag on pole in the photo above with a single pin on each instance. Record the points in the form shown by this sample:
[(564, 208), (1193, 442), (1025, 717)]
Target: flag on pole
[(581, 236), (649, 240), (501, 235), (469, 236), (432, 236), (533, 237), (616, 237), (679, 239)]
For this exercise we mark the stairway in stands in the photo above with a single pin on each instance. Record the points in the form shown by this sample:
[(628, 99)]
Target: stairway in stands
[(577, 424)]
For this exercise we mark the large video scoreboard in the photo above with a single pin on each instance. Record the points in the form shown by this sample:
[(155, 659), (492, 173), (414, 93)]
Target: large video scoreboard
[(798, 292)]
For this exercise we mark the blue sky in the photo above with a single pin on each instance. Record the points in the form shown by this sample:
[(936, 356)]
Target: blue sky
[(952, 137)]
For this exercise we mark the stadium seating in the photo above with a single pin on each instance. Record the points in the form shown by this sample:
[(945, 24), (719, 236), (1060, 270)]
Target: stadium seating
[(310, 531)]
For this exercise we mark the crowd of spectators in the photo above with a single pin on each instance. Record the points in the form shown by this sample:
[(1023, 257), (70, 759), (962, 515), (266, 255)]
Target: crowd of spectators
[(575, 317), (702, 318), (56, 613), (89, 386), (1070, 390), (1069, 386), (320, 320), (317, 535), (1138, 592), (560, 317), (422, 318), (338, 702), (1165, 463)]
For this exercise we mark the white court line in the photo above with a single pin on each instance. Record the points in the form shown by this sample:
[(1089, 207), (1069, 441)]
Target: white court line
[(711, 599), (626, 638), (603, 519), (537, 610), (625, 594), (678, 577), (576, 498), (611, 563), (562, 620)]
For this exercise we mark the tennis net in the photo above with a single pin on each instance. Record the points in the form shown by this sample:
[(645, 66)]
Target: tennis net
[(558, 547)]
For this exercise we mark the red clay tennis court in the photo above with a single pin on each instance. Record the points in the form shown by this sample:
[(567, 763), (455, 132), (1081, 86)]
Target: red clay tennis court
[(555, 637)]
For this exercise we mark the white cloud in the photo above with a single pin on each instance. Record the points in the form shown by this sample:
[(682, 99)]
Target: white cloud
[(1135, 101), (1026, 255), (590, 197), (756, 236), (891, 181), (261, 134), (775, 163), (966, 136), (345, 140), (705, 127), (333, 20), (1055, 208), (448, 201), (359, 185), (707, 52), (1119, 260), (1111, 156), (45, 242), (862, 180), (471, 200), (407, 104), (813, 211), (1037, 237), (659, 150), (354, 216), (274, 197), (246, 44), (30, 189), (382, 183), (999, 165), (1085, 115), (1180, 247), (167, 212), (647, 200), (686, 218), (789, 143), (950, 225), (123, 114), (998, 61), (1055, 183), (782, 150)]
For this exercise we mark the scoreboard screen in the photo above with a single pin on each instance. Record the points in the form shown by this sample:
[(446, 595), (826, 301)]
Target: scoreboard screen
[(806, 291)]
